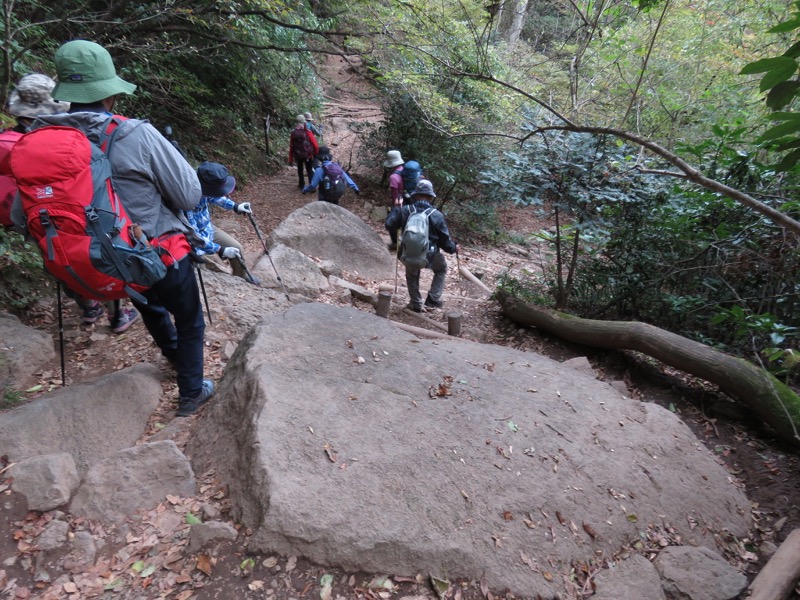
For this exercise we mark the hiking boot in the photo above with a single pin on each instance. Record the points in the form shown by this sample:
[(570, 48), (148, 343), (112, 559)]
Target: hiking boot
[(127, 317), (431, 303), (415, 307), (189, 406), (392, 246), (93, 311)]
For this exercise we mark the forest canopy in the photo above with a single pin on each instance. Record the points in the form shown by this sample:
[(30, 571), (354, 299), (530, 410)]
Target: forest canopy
[(660, 136)]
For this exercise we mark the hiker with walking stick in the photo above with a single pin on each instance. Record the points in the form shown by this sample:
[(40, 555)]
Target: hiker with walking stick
[(424, 234), (155, 183), (217, 185)]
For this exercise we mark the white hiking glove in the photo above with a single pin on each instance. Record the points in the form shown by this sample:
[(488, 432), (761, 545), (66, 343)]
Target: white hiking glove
[(229, 252), (243, 208)]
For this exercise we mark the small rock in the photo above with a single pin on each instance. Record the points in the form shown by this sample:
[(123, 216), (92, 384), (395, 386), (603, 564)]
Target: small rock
[(698, 573), (582, 364), (46, 481), (98, 337), (632, 578), (209, 512), (779, 524), (203, 534), (328, 268), (621, 387), (83, 553), (229, 349), (54, 535), (767, 548)]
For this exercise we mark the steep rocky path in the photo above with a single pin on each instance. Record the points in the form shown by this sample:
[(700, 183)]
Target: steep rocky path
[(770, 475)]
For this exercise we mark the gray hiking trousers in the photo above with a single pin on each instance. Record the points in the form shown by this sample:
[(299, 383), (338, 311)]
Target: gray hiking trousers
[(439, 267)]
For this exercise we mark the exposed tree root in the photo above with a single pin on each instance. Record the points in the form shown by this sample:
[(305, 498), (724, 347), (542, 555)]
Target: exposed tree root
[(773, 401)]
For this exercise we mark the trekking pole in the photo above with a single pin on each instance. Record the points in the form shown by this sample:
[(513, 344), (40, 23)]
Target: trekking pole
[(61, 334), (250, 278), (458, 264), (198, 260), (396, 269), (263, 243)]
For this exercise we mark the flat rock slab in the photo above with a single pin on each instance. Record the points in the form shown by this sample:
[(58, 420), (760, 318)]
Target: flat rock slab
[(321, 229), (299, 274), (355, 444), (88, 421)]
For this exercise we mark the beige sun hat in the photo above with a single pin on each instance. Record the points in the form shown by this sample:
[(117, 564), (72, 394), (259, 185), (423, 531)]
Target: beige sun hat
[(393, 159), (301, 120), (32, 97)]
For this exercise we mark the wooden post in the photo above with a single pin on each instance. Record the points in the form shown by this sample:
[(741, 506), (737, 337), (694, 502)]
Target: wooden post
[(454, 323), (778, 577), (384, 304), (266, 133)]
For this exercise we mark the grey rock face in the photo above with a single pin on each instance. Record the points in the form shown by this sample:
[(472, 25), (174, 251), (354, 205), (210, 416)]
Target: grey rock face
[(698, 574), (88, 421), (133, 479), (445, 457), (326, 230), (46, 481)]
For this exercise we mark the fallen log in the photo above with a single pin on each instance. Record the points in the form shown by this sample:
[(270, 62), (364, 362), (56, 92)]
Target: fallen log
[(773, 401), (470, 277), (779, 576), (422, 332)]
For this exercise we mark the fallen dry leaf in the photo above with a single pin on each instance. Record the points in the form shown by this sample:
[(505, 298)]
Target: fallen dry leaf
[(507, 516), (332, 454), (204, 564), (590, 530)]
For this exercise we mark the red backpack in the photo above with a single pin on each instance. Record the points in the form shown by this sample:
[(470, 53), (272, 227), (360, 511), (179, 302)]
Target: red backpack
[(86, 238), (302, 148), (8, 187)]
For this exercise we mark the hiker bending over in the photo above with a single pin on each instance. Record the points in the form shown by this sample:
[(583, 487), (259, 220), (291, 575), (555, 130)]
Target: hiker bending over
[(425, 233), (31, 99), (303, 147), (155, 183), (217, 185), (330, 178)]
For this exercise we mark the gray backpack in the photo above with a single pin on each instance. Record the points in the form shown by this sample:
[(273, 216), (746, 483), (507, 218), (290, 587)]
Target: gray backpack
[(414, 244)]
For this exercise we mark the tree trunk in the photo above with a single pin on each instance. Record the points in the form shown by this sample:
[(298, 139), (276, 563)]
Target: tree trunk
[(773, 401), (511, 20)]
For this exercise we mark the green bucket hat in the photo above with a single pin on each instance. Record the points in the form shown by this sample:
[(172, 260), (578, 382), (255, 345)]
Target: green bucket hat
[(86, 74)]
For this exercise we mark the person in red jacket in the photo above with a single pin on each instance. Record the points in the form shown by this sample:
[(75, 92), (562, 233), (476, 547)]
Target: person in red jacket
[(303, 147)]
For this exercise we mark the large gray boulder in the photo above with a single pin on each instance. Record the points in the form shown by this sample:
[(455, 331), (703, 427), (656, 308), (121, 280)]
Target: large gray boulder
[(689, 573), (46, 481), (88, 421), (328, 231), (23, 352), (355, 444)]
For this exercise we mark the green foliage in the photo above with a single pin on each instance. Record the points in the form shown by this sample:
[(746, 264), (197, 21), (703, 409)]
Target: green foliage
[(21, 274), (633, 246), (780, 80)]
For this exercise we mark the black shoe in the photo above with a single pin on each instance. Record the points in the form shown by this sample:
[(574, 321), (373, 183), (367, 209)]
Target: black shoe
[(431, 303), (414, 307), (189, 406)]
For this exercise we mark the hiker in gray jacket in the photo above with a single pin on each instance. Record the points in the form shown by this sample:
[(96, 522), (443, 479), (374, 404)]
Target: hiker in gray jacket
[(438, 239), (155, 183)]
